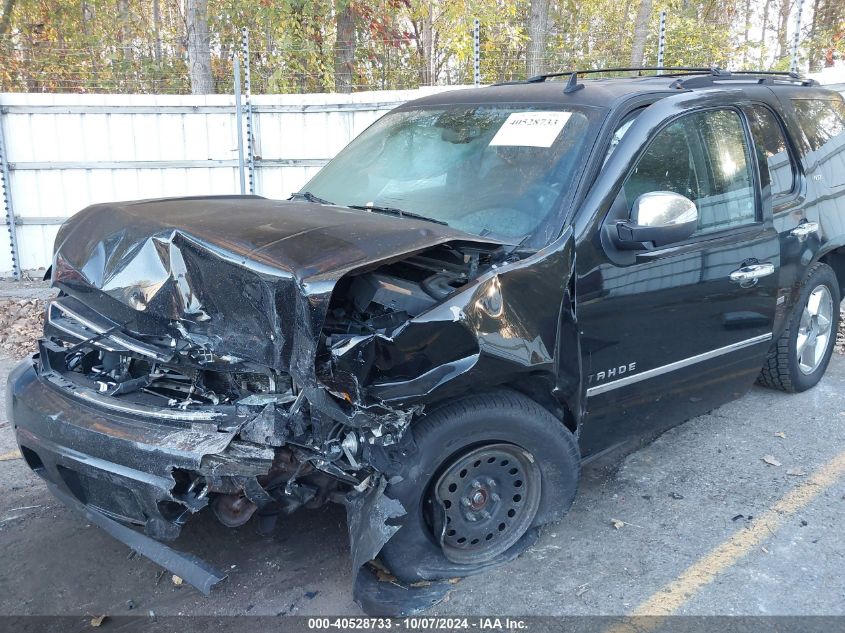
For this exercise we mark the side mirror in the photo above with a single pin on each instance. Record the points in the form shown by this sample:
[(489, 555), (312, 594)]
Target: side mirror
[(659, 218)]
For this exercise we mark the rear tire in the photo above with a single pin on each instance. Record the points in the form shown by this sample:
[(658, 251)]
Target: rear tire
[(798, 359), (489, 469)]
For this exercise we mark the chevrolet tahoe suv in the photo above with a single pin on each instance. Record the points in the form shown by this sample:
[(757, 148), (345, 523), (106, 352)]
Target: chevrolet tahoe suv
[(484, 289)]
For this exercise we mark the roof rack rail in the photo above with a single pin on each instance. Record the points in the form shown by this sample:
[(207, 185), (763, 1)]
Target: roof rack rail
[(701, 76), (666, 71), (757, 76)]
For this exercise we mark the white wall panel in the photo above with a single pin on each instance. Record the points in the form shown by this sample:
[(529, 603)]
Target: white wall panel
[(68, 151)]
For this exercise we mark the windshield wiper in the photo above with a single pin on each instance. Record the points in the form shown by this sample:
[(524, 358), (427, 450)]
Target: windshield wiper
[(310, 197), (395, 211), (521, 243)]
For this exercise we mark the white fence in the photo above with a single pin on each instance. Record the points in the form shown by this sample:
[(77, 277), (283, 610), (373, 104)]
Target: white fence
[(66, 151)]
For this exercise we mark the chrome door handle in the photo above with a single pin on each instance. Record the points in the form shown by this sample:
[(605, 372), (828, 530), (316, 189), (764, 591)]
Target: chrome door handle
[(748, 276), (804, 229)]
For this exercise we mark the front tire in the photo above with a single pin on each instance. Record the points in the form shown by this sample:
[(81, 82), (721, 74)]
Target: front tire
[(488, 470), (799, 358)]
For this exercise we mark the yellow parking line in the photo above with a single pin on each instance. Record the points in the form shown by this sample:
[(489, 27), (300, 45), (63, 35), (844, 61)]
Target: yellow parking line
[(15, 454), (674, 594)]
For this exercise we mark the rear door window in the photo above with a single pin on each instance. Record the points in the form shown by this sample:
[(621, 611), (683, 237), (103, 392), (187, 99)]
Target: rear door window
[(776, 167)]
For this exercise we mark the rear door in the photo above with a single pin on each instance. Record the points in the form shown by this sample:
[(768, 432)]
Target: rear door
[(671, 332), (784, 191)]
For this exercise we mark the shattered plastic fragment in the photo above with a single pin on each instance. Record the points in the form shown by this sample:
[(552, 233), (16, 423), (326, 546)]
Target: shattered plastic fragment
[(367, 516)]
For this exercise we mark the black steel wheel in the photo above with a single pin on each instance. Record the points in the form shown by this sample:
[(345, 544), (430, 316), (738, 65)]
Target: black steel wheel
[(484, 502), (487, 470)]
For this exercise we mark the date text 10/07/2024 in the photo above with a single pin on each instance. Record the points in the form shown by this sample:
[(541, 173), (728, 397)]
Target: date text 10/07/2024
[(419, 623)]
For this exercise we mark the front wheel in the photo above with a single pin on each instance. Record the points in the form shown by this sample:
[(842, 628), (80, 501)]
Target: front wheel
[(799, 358), (488, 469)]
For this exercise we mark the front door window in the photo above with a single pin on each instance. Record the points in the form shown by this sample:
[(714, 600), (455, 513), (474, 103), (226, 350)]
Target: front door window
[(704, 157)]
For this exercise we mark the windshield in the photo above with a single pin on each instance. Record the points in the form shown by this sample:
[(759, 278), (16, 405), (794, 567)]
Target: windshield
[(498, 171)]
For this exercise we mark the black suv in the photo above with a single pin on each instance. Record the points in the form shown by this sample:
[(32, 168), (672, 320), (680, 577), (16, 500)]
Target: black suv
[(482, 290)]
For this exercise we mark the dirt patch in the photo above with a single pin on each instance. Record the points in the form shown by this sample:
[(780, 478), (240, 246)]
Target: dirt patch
[(840, 334), (21, 323)]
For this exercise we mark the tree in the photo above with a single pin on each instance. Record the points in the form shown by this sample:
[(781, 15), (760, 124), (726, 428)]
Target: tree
[(344, 56), (178, 46), (640, 33), (422, 22), (746, 33), (764, 30), (6, 19), (827, 33), (783, 28), (157, 31), (537, 27), (124, 31), (199, 47)]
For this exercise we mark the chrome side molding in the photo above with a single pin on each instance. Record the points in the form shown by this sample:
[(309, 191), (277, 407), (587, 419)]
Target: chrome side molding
[(678, 364)]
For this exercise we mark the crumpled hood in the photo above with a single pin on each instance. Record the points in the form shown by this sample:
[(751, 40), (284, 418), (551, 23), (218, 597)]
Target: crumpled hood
[(239, 276)]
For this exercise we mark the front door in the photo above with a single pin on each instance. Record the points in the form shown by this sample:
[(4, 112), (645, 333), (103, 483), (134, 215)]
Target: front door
[(668, 333)]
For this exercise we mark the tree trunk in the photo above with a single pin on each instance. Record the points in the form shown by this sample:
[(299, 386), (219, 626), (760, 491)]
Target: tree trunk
[(746, 32), (344, 55), (763, 29), (199, 52), (814, 53), (640, 33), (157, 32), (829, 53), (87, 20), (426, 49), (538, 26), (124, 34), (6, 20), (783, 29)]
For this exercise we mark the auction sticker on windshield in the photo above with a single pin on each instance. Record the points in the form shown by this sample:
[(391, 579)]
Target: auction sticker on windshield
[(531, 129)]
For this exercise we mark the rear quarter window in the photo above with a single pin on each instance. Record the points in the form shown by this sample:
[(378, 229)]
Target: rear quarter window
[(823, 124)]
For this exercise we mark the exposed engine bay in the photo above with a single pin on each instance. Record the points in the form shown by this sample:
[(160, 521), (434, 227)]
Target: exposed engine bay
[(380, 302)]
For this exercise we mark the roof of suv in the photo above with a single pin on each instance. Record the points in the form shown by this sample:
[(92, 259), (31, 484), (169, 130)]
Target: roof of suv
[(605, 91)]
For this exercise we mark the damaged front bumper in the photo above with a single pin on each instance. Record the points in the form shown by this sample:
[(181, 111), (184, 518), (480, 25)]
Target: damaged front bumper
[(143, 472), (123, 467), (193, 570), (129, 469), (114, 471)]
